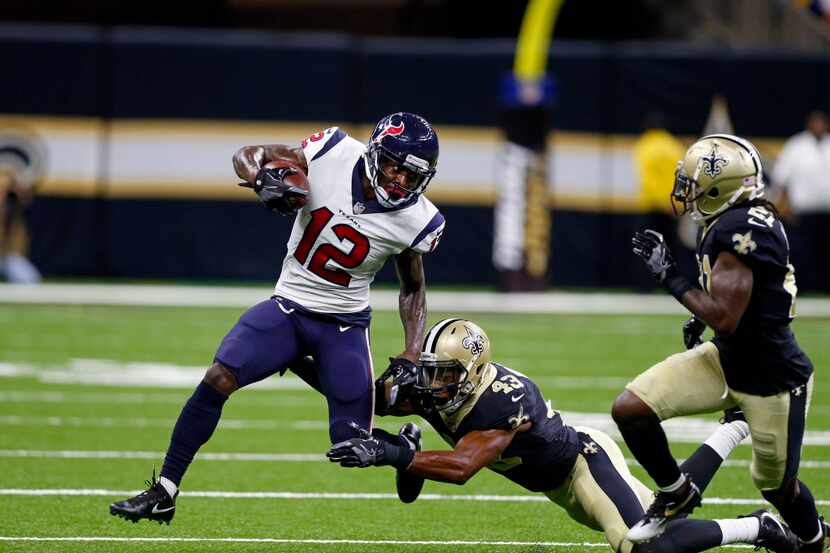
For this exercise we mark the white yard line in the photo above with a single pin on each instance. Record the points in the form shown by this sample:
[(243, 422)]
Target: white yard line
[(70, 492), (268, 457), (454, 301), (278, 541), (107, 372), (139, 422), (690, 430)]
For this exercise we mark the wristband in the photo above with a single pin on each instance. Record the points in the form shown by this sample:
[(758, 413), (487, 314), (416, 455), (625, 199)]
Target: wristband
[(677, 285), (399, 457)]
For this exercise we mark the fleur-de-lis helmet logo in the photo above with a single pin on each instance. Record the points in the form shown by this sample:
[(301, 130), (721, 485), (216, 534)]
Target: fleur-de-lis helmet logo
[(714, 162), (473, 342)]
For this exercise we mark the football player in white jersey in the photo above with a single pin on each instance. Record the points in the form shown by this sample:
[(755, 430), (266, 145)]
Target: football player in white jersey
[(364, 204)]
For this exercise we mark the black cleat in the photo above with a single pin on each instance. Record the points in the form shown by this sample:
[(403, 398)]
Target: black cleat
[(409, 485), (773, 535), (732, 414), (821, 545), (153, 504), (665, 507)]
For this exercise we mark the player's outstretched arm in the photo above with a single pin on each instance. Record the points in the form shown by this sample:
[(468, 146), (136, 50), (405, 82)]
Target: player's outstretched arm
[(473, 452), (412, 303), (730, 290), (730, 285), (248, 160)]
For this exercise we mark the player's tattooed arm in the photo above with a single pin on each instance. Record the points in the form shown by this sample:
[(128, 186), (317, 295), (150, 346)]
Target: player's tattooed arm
[(473, 452), (412, 302), (730, 290), (248, 160)]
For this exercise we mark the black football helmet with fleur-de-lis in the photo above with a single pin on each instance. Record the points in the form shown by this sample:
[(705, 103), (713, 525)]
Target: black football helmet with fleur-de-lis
[(455, 355), (717, 172)]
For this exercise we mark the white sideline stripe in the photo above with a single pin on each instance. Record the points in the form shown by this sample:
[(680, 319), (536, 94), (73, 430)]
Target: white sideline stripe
[(204, 456), (347, 496), (271, 457), (454, 301), (119, 398)]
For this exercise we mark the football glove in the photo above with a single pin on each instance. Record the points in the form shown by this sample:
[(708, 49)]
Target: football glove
[(650, 246), (692, 330), (403, 373), (366, 450), (275, 193)]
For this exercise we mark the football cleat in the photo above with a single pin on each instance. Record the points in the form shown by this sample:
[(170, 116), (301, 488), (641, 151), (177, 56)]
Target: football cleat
[(153, 504), (665, 507), (821, 545), (773, 535), (409, 485)]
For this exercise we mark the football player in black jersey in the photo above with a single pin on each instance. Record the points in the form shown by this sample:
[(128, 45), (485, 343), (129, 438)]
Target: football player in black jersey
[(496, 417), (747, 296)]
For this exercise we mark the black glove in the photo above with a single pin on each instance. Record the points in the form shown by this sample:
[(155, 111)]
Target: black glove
[(692, 330), (274, 192), (652, 249), (367, 450), (403, 373)]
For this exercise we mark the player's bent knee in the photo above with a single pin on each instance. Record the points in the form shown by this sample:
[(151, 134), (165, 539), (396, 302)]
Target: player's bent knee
[(628, 407), (221, 379)]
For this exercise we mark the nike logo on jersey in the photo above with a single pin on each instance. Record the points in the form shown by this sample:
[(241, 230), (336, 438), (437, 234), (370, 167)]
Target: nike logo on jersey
[(156, 509), (344, 328), (514, 399)]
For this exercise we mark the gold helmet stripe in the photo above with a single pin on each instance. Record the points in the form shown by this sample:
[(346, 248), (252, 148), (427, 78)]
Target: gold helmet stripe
[(434, 333)]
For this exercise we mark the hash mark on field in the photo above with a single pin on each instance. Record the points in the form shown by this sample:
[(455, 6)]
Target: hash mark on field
[(321, 541), (346, 496)]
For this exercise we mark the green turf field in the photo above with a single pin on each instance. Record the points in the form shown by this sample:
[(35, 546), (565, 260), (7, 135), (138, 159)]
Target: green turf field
[(58, 434)]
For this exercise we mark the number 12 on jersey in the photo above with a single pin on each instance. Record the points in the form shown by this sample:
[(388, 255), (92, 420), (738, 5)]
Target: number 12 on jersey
[(326, 251)]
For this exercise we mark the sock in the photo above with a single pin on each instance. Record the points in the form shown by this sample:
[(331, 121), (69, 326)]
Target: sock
[(727, 437), (800, 513), (707, 459), (675, 486), (645, 438), (739, 530), (195, 426), (685, 536), (169, 486)]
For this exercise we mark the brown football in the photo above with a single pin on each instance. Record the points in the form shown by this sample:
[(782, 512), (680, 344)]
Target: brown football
[(299, 179)]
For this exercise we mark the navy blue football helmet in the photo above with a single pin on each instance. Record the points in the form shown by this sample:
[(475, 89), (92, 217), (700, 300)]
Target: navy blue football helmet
[(410, 143)]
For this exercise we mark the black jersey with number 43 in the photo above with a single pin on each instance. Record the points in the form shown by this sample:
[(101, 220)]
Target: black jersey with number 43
[(538, 459), (762, 356)]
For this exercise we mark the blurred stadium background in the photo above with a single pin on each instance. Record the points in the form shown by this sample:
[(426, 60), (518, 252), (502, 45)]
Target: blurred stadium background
[(149, 251)]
